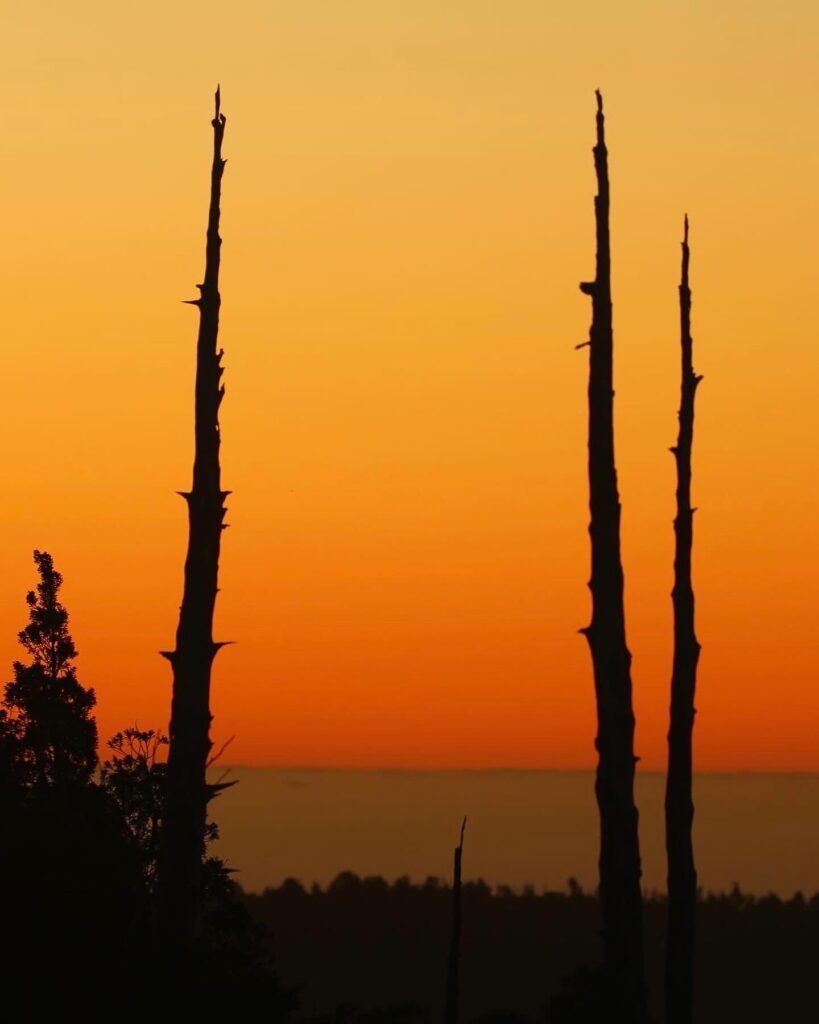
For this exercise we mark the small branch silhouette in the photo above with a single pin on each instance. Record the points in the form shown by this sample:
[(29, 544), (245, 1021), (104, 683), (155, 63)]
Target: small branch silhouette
[(215, 757)]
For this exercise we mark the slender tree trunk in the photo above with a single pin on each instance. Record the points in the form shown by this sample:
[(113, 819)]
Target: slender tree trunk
[(187, 793), (620, 894), (679, 806), (454, 962)]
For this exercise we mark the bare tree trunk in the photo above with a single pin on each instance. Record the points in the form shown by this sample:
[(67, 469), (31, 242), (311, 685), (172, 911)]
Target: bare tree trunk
[(187, 793), (620, 894), (454, 963), (679, 806)]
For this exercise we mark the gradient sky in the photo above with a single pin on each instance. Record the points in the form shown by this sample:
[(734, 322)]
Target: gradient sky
[(407, 214)]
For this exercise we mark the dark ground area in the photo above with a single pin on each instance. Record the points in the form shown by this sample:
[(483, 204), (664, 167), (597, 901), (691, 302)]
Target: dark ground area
[(364, 945)]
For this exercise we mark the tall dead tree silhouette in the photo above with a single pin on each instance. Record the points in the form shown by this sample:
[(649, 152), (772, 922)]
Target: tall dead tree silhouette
[(454, 962), (620, 895), (187, 792), (679, 806)]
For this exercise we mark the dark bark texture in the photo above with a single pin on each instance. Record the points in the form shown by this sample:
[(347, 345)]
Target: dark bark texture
[(451, 1012), (679, 806), (187, 793), (620, 895)]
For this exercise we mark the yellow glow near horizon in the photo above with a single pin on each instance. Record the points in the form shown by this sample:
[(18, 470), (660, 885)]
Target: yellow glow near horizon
[(407, 213)]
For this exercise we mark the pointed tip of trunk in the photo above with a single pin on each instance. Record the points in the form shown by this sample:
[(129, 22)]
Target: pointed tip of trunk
[(601, 121)]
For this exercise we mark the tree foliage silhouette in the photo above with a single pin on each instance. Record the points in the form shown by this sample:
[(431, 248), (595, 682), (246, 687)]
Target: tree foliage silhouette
[(370, 943), (70, 873), (49, 733), (134, 778), (80, 857), (620, 895), (187, 792), (679, 806)]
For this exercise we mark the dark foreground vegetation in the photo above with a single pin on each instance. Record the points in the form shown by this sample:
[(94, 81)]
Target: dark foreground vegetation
[(364, 950), (80, 840)]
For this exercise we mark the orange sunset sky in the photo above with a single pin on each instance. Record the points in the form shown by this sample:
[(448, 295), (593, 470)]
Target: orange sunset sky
[(407, 212)]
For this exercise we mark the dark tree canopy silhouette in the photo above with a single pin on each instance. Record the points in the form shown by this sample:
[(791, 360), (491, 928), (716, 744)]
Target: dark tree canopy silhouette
[(49, 735), (67, 867), (370, 943), (187, 792), (620, 894), (134, 778), (679, 805)]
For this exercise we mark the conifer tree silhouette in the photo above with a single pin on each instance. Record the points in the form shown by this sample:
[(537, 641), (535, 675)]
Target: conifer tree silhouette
[(620, 895), (187, 792), (679, 806), (63, 856), (48, 730)]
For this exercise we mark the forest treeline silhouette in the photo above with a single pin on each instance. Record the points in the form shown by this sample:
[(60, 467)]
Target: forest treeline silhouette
[(364, 949), (109, 857)]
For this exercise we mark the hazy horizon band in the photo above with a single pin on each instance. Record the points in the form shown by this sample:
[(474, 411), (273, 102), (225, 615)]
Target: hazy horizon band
[(526, 826)]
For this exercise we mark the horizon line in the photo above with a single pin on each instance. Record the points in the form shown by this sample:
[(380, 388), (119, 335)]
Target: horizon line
[(499, 769)]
